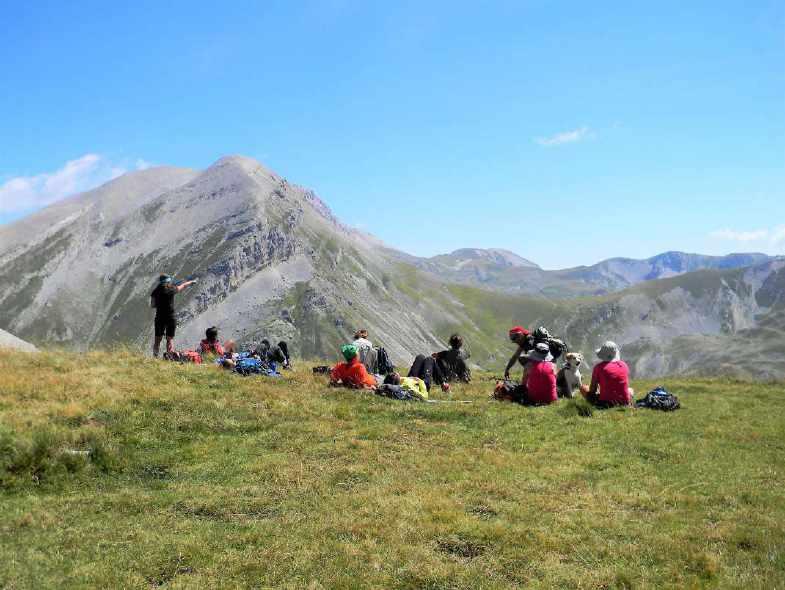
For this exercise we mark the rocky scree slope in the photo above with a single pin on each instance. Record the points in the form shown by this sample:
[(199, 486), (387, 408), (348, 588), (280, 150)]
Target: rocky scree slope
[(10, 341)]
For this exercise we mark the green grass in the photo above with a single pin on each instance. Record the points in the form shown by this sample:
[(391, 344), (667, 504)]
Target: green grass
[(189, 477)]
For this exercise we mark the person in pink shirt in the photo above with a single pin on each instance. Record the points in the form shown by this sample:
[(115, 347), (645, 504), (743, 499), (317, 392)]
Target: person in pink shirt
[(610, 379), (539, 376)]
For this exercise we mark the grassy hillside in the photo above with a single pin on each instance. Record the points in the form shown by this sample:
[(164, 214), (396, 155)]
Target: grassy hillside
[(119, 471)]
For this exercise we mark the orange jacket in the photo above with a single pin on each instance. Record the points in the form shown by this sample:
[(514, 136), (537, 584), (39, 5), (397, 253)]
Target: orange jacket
[(352, 374)]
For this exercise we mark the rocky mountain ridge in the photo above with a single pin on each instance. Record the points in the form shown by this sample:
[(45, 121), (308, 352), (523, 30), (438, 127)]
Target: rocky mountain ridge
[(272, 260)]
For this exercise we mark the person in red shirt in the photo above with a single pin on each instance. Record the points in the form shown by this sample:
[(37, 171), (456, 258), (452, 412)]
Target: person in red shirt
[(211, 344), (610, 379), (539, 376), (352, 373)]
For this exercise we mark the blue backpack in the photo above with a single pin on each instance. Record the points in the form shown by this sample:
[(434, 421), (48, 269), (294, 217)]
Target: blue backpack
[(252, 366), (659, 398)]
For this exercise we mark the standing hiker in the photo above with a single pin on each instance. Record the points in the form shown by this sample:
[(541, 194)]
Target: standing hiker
[(162, 299)]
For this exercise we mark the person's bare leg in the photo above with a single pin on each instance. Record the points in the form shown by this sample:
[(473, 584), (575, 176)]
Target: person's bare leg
[(169, 345), (157, 346)]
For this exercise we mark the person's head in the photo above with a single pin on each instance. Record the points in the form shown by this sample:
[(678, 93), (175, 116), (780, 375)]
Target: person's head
[(455, 341), (349, 352), (538, 354), (211, 334), (609, 351), (362, 333), (165, 280), (518, 334), (265, 344), (393, 379)]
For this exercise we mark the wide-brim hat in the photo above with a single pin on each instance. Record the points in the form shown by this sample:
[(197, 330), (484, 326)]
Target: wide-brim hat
[(539, 353), (608, 352)]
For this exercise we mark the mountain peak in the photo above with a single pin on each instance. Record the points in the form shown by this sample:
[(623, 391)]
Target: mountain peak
[(242, 163), (494, 256)]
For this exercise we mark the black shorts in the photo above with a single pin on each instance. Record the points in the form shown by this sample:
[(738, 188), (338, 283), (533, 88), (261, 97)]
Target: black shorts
[(165, 326)]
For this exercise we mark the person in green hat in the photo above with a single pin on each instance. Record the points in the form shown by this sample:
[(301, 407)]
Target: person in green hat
[(351, 373)]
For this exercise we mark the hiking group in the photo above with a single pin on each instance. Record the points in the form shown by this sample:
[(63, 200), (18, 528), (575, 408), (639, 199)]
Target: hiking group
[(262, 358), (536, 351), (366, 366), (362, 369)]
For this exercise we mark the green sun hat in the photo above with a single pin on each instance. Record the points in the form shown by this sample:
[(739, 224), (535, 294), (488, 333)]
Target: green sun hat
[(349, 351)]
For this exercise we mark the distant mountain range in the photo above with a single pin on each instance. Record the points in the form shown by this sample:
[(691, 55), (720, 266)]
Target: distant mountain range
[(505, 271), (274, 261)]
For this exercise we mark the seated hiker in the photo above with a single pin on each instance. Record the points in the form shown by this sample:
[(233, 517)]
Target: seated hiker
[(276, 354), (610, 377), (452, 362), (361, 339), (412, 385), (427, 369), (211, 344), (366, 351), (526, 341), (539, 376), (522, 338), (351, 373)]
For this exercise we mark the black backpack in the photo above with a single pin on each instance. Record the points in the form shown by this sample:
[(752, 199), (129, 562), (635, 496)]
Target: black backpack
[(659, 398), (394, 391), (384, 365), (508, 390), (557, 347)]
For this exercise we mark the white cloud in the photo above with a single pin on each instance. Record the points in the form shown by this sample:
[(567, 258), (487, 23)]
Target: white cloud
[(565, 137), (26, 193), (773, 237)]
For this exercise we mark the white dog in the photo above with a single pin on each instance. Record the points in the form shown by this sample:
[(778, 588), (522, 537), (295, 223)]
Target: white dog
[(569, 377)]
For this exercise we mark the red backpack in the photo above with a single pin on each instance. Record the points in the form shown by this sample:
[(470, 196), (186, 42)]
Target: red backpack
[(191, 356)]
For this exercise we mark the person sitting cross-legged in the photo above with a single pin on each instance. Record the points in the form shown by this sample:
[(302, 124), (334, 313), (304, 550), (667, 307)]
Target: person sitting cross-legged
[(610, 379), (539, 376), (351, 373)]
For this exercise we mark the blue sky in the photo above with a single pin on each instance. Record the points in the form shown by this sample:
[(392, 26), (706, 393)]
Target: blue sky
[(568, 132)]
